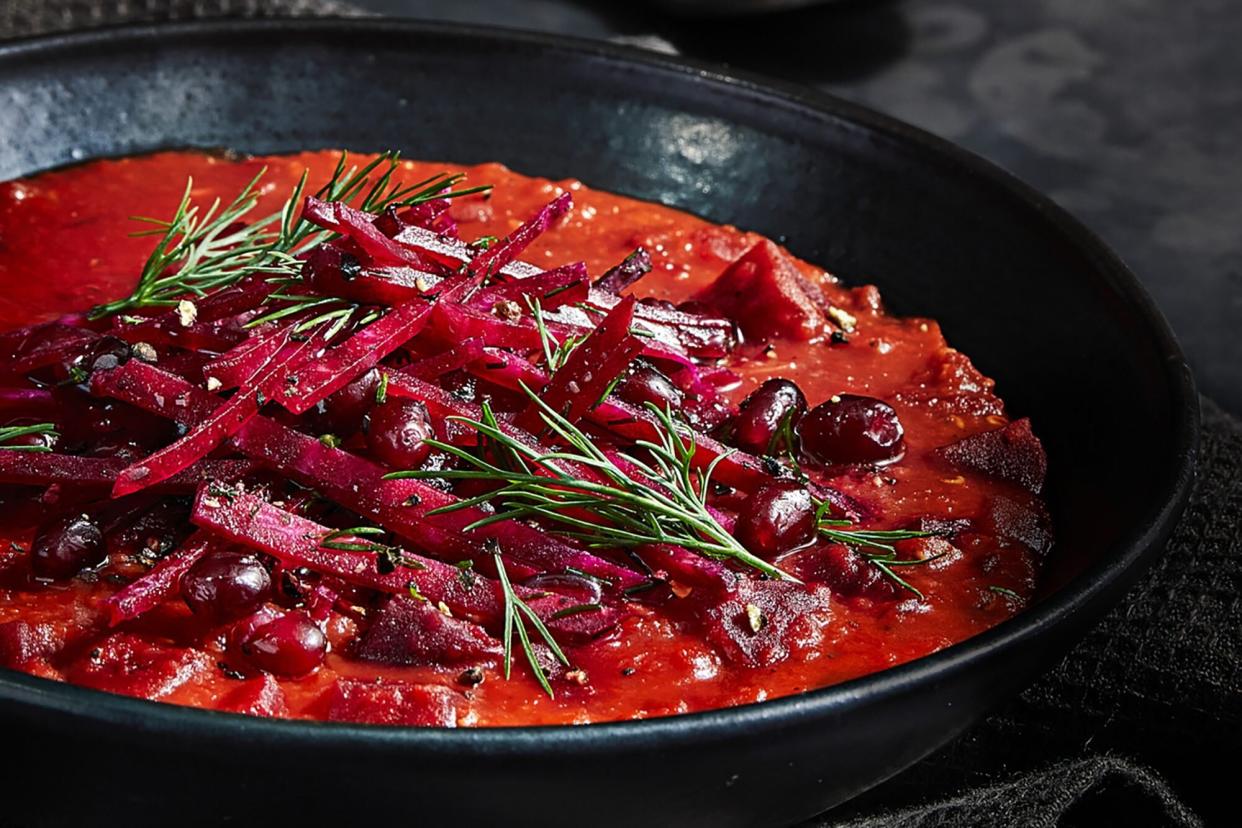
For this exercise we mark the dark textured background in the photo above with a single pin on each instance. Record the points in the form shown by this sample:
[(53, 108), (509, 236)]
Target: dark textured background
[(1127, 112)]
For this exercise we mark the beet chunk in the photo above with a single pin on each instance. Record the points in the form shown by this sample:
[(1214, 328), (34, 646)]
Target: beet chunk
[(763, 623), (1011, 453), (22, 641), (391, 703), (259, 696), (766, 295), (1026, 521), (843, 570), (408, 631), (135, 666)]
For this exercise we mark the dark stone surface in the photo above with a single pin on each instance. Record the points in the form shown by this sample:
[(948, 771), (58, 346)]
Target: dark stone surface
[(1126, 111)]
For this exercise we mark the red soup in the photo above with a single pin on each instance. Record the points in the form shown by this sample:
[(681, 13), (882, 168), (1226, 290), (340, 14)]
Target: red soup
[(456, 446)]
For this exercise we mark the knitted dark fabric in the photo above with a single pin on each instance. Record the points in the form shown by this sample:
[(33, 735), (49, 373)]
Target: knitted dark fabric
[(1142, 717), (1096, 791)]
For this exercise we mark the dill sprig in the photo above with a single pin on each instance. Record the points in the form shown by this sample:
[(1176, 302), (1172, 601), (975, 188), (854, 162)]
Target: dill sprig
[(334, 313), (623, 511), (203, 250), (515, 609), (874, 545), (15, 432), (555, 352)]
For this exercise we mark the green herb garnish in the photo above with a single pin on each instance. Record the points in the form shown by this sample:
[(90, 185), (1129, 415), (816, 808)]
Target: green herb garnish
[(555, 352), (8, 433), (874, 545), (203, 250), (381, 390), (515, 609), (623, 511)]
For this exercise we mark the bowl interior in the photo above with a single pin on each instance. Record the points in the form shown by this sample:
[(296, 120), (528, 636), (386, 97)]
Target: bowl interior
[(1036, 301)]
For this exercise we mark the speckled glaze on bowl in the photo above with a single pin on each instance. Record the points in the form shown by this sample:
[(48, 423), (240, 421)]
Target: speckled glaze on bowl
[(1032, 296)]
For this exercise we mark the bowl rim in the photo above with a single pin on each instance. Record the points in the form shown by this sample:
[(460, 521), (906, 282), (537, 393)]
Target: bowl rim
[(1090, 592)]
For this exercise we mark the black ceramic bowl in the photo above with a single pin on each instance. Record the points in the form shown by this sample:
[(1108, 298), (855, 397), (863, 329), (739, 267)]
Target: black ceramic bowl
[(1034, 298)]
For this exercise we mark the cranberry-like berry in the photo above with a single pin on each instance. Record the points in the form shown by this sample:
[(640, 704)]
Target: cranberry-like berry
[(780, 516), (852, 429), (397, 433), (763, 412), (225, 586), (290, 645), (341, 414), (646, 384), (65, 547)]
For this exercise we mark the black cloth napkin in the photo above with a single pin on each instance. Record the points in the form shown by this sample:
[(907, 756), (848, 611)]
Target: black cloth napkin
[(1139, 725)]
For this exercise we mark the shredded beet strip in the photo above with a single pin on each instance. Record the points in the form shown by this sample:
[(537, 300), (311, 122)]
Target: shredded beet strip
[(46, 469), (494, 258), (206, 336), (202, 333), (360, 228), (320, 375), (28, 401), (335, 269), (688, 568), (431, 215), (565, 285), (507, 370), (700, 335), (223, 422), (458, 322), (442, 405), (46, 345), (239, 364), (402, 507), (453, 253), (590, 369), (247, 519), (459, 356), (240, 298), (357, 483), (158, 584), (619, 277)]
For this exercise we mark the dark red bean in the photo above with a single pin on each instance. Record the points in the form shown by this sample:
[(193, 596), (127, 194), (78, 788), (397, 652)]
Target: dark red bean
[(290, 645), (646, 384), (777, 518), (341, 414), (65, 547), (762, 414), (225, 586), (397, 431), (852, 429)]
